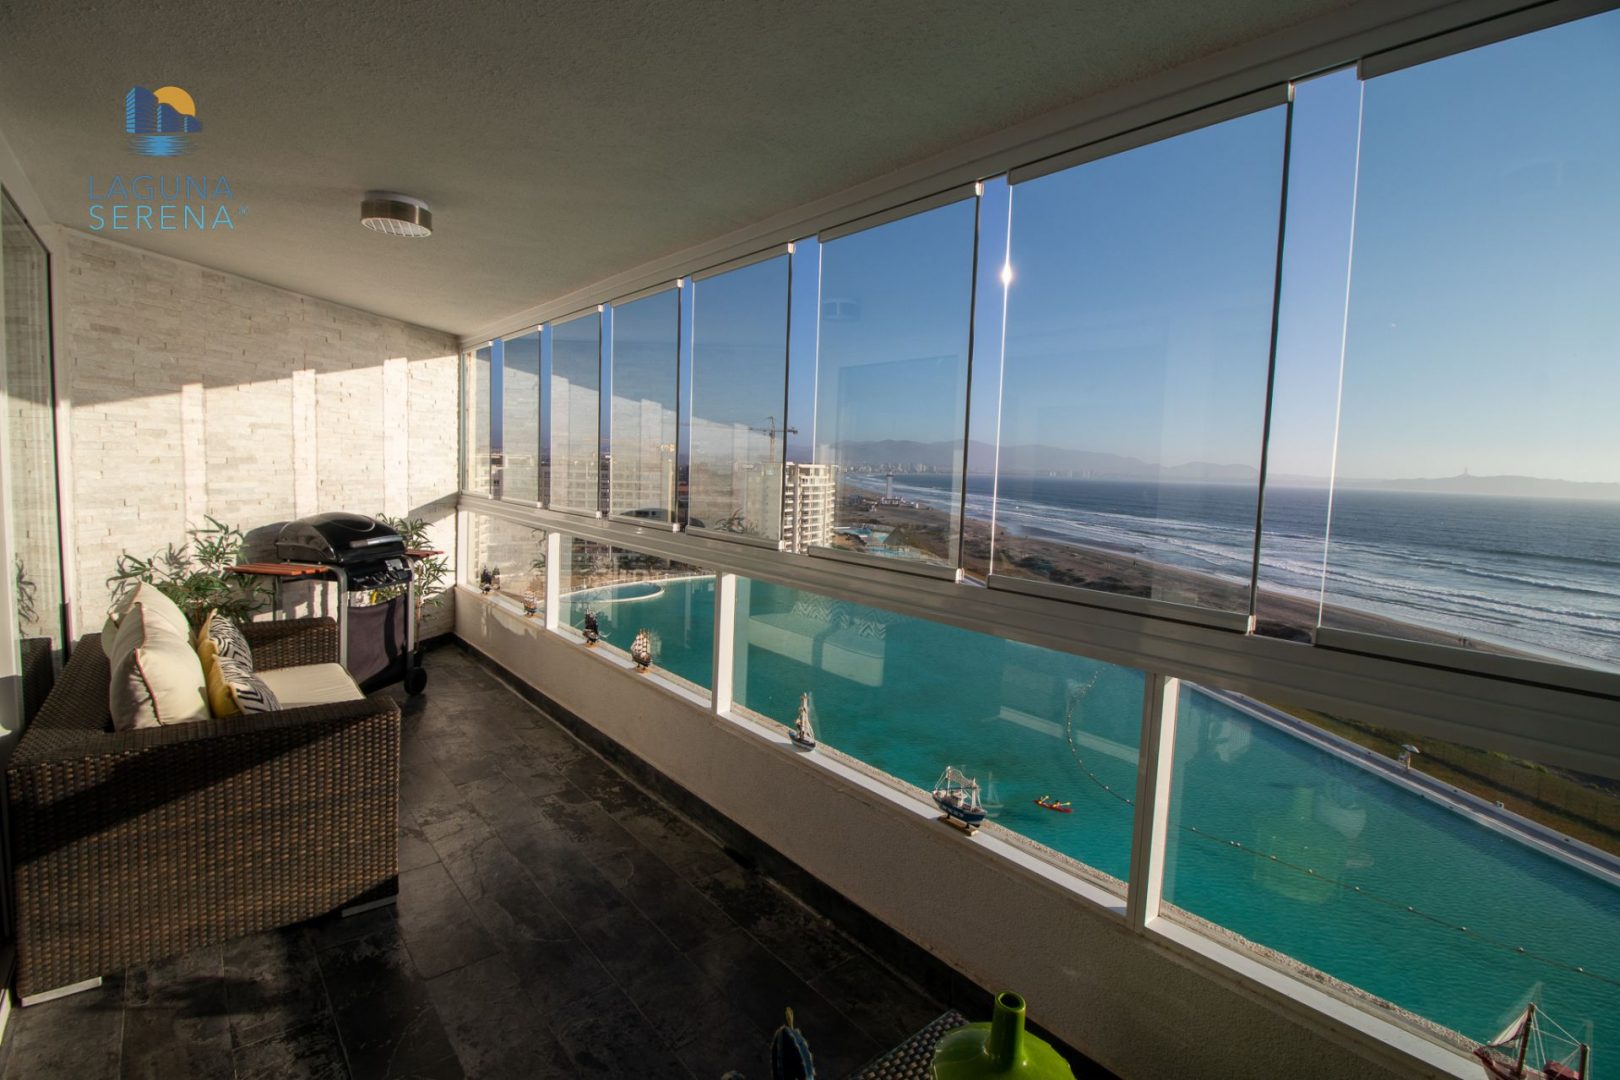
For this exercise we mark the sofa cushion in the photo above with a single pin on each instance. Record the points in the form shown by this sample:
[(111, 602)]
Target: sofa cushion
[(156, 677), (311, 684), (151, 598), (226, 639)]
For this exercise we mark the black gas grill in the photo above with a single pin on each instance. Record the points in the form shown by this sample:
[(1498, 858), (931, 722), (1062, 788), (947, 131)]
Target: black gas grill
[(362, 554)]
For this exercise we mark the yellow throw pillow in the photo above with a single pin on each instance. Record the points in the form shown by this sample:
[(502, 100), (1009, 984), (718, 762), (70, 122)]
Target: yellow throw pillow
[(221, 702)]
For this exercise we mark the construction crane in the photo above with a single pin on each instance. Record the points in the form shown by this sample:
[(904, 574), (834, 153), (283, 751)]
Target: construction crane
[(772, 431)]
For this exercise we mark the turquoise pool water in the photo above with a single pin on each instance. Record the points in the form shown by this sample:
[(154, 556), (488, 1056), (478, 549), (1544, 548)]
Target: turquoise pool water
[(910, 697)]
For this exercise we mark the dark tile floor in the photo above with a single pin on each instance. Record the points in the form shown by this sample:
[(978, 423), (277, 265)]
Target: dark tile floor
[(553, 921)]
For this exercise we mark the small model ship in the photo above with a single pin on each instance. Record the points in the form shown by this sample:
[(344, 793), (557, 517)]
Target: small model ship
[(591, 632), (531, 604), (641, 651), (1507, 1057), (1046, 802), (803, 735), (958, 796)]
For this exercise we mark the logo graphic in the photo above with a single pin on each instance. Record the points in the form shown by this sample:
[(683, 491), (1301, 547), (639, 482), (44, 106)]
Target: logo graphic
[(160, 122)]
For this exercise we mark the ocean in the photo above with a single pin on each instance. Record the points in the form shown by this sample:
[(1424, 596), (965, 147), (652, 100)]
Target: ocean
[(1541, 575)]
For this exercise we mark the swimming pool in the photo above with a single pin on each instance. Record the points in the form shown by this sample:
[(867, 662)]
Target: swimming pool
[(1353, 851)]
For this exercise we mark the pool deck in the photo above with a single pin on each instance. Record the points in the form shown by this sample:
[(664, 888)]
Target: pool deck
[(1566, 849)]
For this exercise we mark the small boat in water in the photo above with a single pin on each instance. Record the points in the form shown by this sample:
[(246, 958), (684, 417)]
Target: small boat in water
[(1046, 802), (958, 796), (803, 734), (1513, 1054)]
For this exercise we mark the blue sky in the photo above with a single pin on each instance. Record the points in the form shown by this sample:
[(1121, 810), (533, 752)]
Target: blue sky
[(1484, 311)]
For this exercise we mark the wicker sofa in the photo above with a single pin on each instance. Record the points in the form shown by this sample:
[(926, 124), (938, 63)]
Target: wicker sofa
[(131, 846)]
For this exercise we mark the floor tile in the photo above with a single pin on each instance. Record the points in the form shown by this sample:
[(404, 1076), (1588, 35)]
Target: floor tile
[(385, 1019), (308, 1052), (440, 929)]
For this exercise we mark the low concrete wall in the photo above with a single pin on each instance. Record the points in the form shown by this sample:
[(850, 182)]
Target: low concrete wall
[(1132, 1004)]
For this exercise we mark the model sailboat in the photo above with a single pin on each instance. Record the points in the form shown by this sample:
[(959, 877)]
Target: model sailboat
[(641, 651), (803, 735), (1513, 1054), (958, 796)]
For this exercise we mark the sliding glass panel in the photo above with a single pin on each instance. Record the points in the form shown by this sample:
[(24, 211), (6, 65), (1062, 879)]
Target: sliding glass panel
[(1051, 738), (576, 376), (520, 417), (891, 399), (506, 562), (1477, 496), (1137, 350), (739, 386), (646, 362), (30, 458), (477, 387), (621, 593), (1452, 882), (1310, 347)]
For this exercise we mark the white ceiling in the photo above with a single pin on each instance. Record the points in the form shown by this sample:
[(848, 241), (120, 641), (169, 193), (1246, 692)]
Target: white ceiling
[(558, 143)]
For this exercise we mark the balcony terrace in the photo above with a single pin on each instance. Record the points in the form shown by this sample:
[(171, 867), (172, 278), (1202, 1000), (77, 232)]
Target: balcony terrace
[(850, 508)]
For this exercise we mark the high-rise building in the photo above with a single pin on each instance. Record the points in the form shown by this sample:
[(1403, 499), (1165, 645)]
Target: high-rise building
[(808, 499)]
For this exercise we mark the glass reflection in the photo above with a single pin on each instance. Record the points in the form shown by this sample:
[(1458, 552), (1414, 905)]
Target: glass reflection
[(618, 594), (646, 359), (1138, 336), (576, 378), (891, 399), (520, 417), (1316, 836), (478, 386), (910, 697), (739, 380), (507, 562), (1477, 494)]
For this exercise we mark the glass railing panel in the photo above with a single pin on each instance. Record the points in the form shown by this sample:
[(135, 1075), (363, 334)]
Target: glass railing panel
[(1138, 331), (1477, 496), (891, 396), (506, 562), (613, 596), (646, 357), (1454, 883), (739, 381), (576, 379), (909, 697), (520, 417)]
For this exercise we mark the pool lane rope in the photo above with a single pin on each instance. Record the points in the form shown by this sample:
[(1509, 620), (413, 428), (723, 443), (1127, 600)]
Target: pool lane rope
[(1077, 694)]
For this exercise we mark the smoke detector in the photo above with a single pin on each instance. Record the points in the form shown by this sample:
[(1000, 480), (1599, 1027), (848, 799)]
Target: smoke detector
[(393, 214)]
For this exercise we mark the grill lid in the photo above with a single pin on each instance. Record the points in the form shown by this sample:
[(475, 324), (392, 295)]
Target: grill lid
[(337, 538)]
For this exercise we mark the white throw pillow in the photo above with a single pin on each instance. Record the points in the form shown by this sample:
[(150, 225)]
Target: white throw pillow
[(152, 599), (156, 675)]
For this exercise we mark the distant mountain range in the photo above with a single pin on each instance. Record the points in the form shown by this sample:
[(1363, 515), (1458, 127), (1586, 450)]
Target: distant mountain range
[(906, 455)]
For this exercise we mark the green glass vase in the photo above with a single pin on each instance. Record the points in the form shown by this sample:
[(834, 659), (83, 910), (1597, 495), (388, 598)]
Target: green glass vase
[(1000, 1048)]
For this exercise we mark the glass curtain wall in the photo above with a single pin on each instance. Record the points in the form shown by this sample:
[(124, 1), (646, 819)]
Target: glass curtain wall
[(30, 456), (645, 365), (891, 390), (1138, 338), (576, 380), (520, 417), (1476, 499), (479, 372), (739, 391)]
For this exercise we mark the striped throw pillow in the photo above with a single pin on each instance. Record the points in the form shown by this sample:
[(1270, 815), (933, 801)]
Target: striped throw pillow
[(229, 644)]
